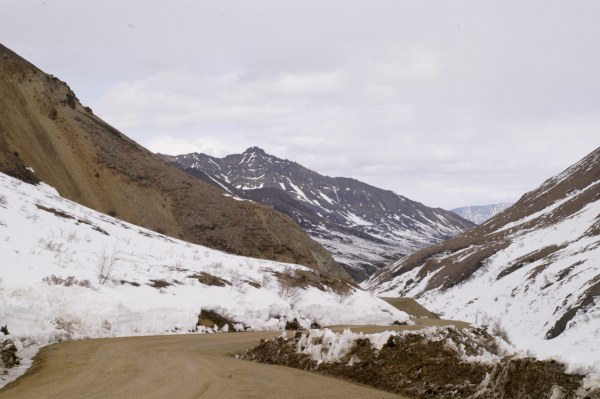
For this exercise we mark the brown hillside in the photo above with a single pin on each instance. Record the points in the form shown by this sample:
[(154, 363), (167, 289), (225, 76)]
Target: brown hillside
[(47, 135), (457, 259), (452, 266)]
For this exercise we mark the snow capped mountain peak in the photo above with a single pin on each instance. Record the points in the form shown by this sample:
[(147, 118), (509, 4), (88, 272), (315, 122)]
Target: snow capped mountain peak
[(255, 150), (363, 226)]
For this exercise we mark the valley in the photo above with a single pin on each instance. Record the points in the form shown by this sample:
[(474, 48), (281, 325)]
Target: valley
[(128, 273)]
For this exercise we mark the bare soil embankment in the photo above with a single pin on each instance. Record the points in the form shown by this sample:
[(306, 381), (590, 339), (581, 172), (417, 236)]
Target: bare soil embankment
[(47, 135), (449, 362)]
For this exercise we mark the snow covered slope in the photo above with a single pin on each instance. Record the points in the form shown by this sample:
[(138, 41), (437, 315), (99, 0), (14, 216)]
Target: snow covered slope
[(481, 213), (68, 272), (534, 269), (364, 227)]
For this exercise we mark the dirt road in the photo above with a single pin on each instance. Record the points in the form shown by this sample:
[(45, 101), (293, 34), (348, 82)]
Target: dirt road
[(181, 366)]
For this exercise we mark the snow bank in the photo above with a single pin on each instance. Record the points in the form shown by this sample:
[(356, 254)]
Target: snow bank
[(68, 272)]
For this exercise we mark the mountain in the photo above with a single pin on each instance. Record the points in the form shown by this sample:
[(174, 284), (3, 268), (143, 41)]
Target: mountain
[(533, 270), (481, 213), (47, 135), (68, 272), (364, 227)]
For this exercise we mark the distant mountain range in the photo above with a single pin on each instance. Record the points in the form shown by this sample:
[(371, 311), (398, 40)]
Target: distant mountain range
[(532, 270), (364, 227), (481, 213)]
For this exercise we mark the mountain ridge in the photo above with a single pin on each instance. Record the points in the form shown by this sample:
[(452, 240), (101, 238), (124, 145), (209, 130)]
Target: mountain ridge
[(364, 227)]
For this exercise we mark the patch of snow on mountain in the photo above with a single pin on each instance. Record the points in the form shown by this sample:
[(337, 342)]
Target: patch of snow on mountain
[(214, 163), (299, 193), (548, 209), (326, 198), (220, 184), (356, 220)]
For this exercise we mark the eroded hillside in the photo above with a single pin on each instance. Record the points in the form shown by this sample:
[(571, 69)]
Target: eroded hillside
[(47, 135)]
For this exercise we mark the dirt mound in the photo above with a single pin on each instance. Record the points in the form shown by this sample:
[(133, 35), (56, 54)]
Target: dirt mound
[(8, 354), (214, 320), (47, 135), (450, 363)]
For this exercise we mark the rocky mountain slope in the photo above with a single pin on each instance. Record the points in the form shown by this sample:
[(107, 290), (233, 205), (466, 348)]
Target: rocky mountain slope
[(68, 272), (481, 213), (532, 270), (363, 226), (47, 135)]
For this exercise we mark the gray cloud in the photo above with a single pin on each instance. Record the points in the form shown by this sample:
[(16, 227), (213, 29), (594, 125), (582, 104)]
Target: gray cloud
[(449, 103)]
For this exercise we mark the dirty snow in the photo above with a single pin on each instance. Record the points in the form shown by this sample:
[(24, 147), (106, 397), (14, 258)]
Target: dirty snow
[(324, 345)]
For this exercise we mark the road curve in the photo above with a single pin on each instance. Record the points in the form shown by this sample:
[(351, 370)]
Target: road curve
[(181, 366)]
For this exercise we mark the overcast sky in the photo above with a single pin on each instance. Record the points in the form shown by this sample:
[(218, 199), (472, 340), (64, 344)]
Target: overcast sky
[(447, 102)]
